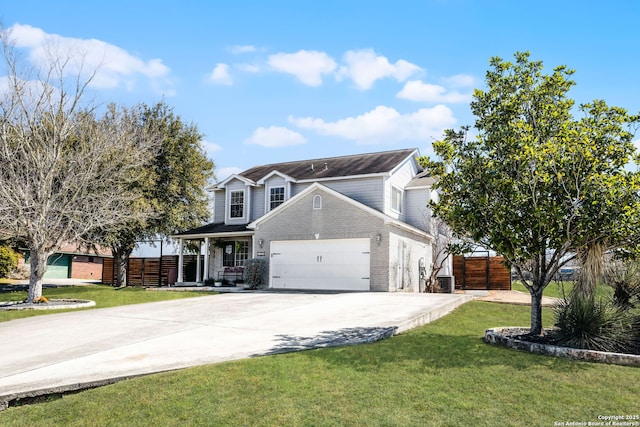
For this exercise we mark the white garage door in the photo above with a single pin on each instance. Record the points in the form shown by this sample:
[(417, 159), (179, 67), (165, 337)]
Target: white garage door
[(333, 264)]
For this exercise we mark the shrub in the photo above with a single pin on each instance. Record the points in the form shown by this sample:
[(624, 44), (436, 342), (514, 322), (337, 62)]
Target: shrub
[(624, 277), (255, 270), (586, 323), (626, 296), (635, 333), (8, 260)]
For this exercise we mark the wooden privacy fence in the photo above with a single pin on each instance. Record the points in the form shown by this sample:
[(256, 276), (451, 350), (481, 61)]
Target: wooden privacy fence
[(481, 273), (151, 271)]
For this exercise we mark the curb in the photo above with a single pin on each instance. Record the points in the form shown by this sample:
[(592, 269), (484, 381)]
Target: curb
[(67, 304), (501, 337), (432, 315), (33, 395)]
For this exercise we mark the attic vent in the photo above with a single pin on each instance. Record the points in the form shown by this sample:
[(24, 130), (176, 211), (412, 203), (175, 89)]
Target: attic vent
[(311, 166), (326, 166)]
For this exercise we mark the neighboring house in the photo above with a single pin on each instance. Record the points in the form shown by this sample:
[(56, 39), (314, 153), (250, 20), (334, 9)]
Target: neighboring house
[(355, 222), (71, 262)]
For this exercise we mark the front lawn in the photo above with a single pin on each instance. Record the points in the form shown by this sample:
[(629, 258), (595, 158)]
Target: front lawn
[(441, 374), (560, 289), (103, 295)]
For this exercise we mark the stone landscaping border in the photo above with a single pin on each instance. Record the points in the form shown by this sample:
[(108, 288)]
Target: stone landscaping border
[(53, 304), (505, 337)]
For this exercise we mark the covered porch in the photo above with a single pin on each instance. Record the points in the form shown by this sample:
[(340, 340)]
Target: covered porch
[(222, 251)]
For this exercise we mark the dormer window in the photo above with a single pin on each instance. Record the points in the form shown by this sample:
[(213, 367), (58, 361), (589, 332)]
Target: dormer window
[(276, 197), (236, 205), (397, 201)]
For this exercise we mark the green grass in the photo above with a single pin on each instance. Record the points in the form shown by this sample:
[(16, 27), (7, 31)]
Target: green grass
[(103, 295), (441, 374), (560, 289)]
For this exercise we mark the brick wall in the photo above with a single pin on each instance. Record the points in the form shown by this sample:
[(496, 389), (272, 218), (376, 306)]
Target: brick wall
[(86, 267), (336, 220)]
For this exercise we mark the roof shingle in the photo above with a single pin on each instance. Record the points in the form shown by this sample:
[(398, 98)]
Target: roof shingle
[(333, 167)]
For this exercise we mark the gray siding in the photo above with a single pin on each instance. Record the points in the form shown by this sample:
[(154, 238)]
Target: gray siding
[(399, 179), (368, 191), (417, 211), (218, 206), (258, 203), (299, 187)]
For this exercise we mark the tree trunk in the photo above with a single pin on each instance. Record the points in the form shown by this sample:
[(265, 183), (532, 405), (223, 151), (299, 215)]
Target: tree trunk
[(120, 259), (536, 311), (38, 262), (432, 281)]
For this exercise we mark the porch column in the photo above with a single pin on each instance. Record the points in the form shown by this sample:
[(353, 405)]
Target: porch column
[(206, 258), (253, 246), (198, 263), (180, 261)]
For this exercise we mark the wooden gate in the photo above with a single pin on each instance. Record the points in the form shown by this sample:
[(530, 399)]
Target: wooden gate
[(481, 273), (149, 271)]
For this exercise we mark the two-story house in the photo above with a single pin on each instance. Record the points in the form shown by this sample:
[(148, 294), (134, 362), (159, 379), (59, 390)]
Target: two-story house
[(357, 222)]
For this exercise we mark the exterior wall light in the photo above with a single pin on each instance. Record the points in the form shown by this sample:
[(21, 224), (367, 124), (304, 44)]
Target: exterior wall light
[(261, 242), (378, 239)]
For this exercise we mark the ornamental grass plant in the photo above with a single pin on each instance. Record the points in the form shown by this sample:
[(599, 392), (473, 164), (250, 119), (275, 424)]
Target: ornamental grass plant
[(590, 323)]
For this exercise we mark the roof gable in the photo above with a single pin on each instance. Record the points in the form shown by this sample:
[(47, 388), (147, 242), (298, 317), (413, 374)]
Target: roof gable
[(274, 173), (233, 177)]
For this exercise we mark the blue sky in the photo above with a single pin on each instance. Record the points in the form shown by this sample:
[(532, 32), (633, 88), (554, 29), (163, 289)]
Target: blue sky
[(269, 81)]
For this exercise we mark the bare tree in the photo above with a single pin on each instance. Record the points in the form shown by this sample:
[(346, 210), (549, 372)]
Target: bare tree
[(64, 170), (444, 246)]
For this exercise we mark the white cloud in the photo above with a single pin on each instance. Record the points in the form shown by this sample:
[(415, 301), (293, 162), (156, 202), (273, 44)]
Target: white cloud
[(211, 147), (32, 90), (384, 125), (275, 136), (364, 67), (248, 68), (238, 49), (224, 173), (220, 75), (5, 84), (416, 90), (113, 66), (460, 80), (308, 66)]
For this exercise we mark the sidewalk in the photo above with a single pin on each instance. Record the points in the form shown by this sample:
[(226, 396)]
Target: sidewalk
[(510, 297)]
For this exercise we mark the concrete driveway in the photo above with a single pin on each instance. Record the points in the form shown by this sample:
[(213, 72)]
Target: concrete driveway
[(68, 351)]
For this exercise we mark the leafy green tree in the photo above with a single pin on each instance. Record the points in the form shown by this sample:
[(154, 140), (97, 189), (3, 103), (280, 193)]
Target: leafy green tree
[(172, 183), (536, 184), (8, 260)]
